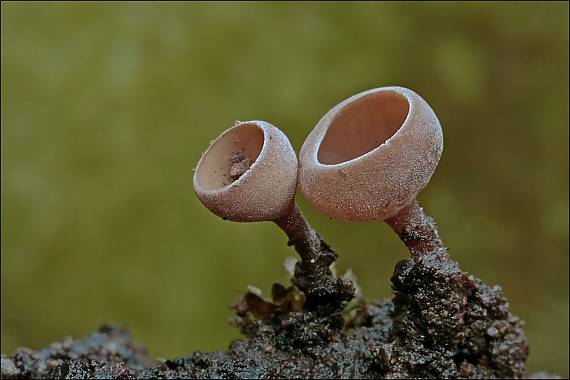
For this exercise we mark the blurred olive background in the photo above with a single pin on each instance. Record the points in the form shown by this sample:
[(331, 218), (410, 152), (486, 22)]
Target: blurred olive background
[(106, 109)]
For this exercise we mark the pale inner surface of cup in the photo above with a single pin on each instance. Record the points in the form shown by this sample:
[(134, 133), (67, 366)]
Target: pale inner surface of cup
[(230, 156), (362, 126)]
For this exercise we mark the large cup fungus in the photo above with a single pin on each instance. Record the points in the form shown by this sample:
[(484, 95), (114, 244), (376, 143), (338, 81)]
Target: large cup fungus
[(369, 157)]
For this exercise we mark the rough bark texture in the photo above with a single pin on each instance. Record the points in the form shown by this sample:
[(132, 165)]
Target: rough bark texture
[(441, 322)]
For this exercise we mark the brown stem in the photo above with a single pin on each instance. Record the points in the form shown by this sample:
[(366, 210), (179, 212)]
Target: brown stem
[(305, 240), (418, 231), (312, 274)]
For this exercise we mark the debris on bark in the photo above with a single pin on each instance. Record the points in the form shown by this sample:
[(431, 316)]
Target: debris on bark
[(441, 323)]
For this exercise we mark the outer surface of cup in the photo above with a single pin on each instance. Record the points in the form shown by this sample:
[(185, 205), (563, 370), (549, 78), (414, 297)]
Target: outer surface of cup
[(377, 184), (264, 192)]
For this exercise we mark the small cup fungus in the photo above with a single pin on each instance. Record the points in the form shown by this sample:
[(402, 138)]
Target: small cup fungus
[(249, 174), (369, 157)]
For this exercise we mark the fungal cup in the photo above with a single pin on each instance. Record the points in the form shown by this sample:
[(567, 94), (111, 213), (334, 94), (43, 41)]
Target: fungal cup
[(248, 174), (369, 157)]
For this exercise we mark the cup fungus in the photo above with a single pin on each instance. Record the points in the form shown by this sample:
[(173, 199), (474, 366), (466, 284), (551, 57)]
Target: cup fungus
[(368, 158), (249, 174)]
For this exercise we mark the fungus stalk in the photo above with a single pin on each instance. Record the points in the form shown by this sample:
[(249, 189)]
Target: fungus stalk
[(313, 275), (417, 230), (305, 239)]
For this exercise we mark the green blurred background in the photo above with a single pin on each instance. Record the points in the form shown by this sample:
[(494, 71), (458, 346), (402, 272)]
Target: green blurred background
[(106, 109)]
